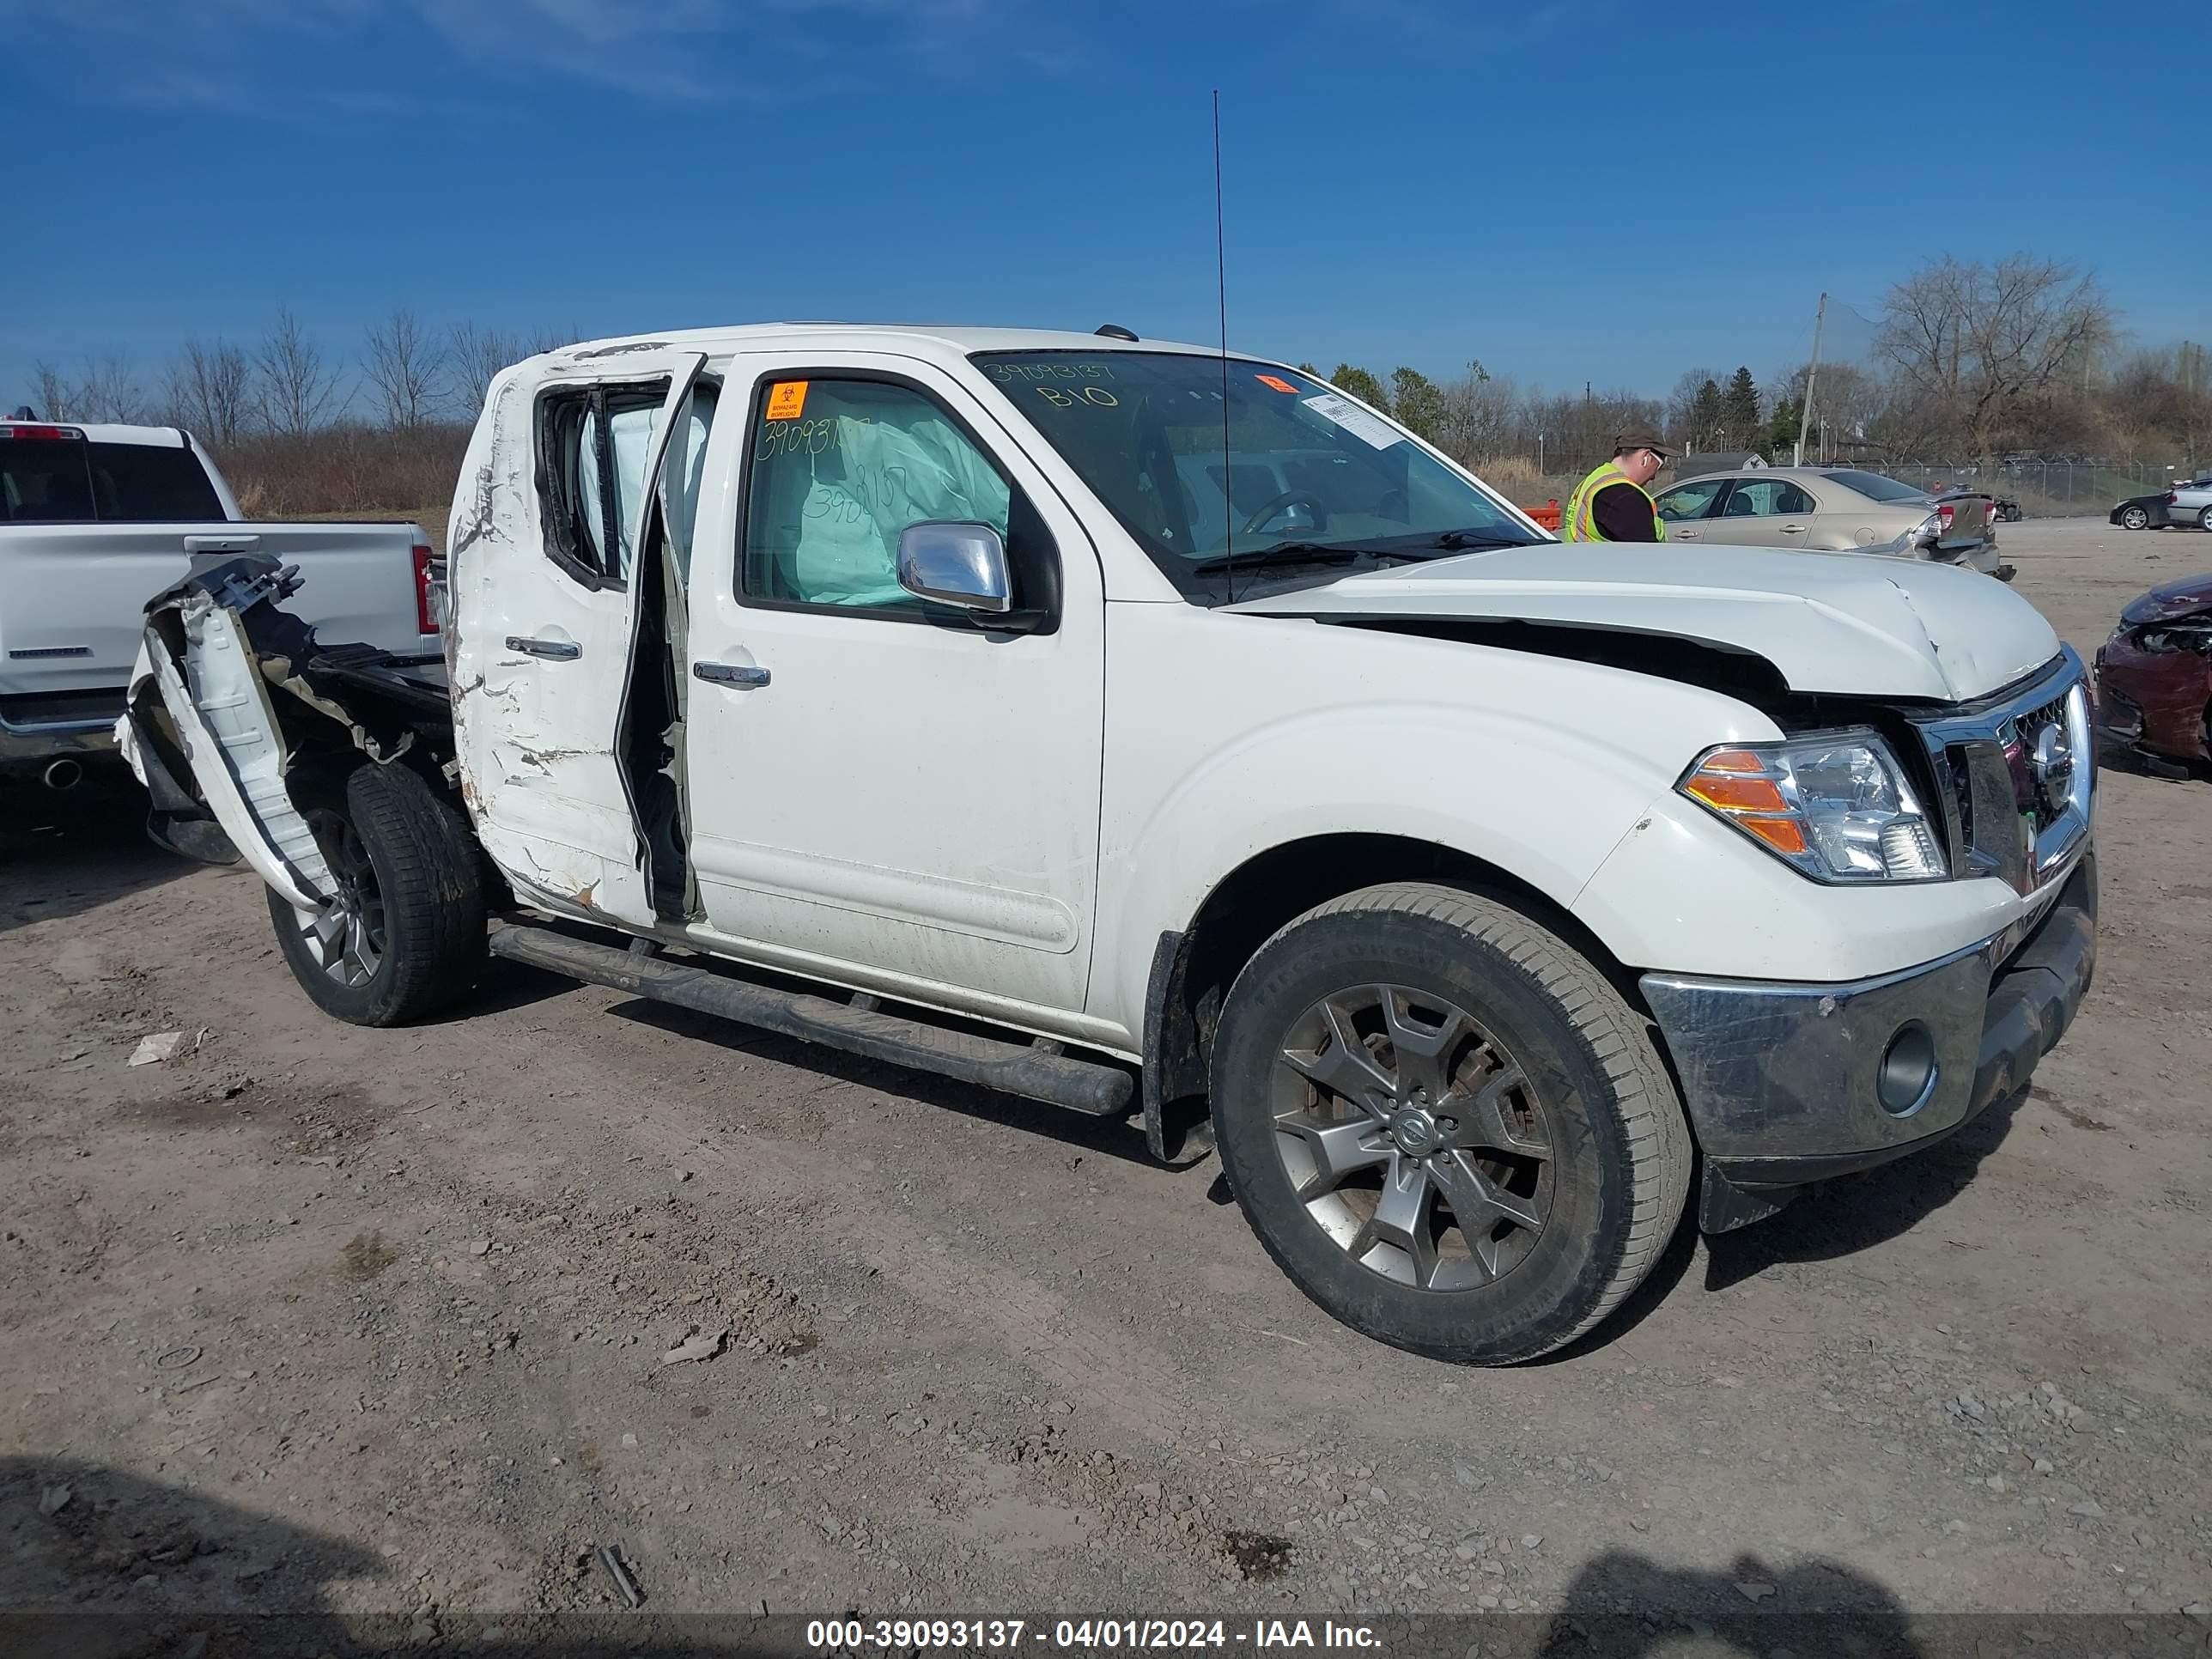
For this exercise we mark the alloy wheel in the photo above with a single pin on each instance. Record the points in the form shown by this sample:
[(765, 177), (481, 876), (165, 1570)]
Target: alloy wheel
[(1413, 1138), (346, 935)]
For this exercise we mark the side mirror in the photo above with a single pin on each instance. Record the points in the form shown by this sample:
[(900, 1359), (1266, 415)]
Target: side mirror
[(956, 563)]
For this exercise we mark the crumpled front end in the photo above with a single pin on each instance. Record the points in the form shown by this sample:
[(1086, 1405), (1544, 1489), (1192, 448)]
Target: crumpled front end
[(1787, 1081), (2154, 683)]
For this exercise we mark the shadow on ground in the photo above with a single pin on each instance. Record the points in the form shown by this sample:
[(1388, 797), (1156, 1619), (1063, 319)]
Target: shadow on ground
[(1856, 1213), (1622, 1606), (63, 854)]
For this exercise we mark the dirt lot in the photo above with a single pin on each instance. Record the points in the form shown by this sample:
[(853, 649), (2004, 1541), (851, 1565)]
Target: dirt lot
[(315, 1317)]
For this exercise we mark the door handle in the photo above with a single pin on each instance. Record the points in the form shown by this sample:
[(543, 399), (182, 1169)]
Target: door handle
[(726, 673), (1793, 529), (551, 650), (1682, 534)]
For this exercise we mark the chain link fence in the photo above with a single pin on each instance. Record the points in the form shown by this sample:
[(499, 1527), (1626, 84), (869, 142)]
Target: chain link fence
[(2049, 488)]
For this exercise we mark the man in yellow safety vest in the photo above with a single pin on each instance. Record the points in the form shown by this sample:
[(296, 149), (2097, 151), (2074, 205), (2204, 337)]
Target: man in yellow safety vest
[(1613, 504)]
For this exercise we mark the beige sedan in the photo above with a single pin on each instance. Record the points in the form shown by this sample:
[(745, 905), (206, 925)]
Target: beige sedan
[(1832, 510)]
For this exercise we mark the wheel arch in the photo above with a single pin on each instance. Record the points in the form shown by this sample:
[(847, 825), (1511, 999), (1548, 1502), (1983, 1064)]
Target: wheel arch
[(1192, 969)]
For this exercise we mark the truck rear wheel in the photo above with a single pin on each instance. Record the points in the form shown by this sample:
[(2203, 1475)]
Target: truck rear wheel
[(405, 935), (1445, 1125)]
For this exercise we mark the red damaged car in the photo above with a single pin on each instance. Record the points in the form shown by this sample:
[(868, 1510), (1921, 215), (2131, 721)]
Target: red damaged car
[(2154, 674)]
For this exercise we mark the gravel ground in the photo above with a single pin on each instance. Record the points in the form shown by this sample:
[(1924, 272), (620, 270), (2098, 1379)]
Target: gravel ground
[(309, 1318)]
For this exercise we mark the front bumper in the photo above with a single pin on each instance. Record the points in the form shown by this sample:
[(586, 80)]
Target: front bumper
[(1782, 1082)]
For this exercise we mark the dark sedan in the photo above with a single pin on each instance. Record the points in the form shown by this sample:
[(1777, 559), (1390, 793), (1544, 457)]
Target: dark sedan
[(2142, 512), (2154, 674)]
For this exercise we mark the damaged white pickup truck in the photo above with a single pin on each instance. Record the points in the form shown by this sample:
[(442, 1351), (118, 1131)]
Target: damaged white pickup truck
[(1163, 736)]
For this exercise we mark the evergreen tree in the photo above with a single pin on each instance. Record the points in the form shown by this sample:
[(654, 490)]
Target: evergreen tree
[(1418, 402), (1361, 385), (1740, 410), (1781, 443), (1708, 419)]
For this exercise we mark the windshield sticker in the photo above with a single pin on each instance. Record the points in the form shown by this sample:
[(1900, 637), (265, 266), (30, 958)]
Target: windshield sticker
[(786, 400), (1371, 430), (1277, 382)]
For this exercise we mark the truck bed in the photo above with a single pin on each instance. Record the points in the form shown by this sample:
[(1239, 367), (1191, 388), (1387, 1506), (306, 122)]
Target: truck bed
[(72, 599)]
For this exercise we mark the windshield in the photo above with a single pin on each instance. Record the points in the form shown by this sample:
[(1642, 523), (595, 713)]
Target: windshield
[(1874, 487), (1307, 476)]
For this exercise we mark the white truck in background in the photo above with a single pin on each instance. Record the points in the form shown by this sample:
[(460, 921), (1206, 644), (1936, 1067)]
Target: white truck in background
[(95, 518)]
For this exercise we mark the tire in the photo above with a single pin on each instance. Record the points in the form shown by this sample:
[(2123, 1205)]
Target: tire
[(408, 866), (2204, 519), (1606, 1191), (2134, 518)]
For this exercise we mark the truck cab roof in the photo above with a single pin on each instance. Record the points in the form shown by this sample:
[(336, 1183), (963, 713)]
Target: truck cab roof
[(907, 338), (156, 437)]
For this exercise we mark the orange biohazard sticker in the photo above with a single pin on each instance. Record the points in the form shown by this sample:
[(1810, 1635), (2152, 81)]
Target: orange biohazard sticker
[(786, 400), (1277, 382)]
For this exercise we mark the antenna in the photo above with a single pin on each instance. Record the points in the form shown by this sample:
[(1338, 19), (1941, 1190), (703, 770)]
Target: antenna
[(1221, 280)]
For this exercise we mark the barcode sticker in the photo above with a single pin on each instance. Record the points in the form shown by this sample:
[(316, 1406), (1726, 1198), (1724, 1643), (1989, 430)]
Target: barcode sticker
[(1371, 430)]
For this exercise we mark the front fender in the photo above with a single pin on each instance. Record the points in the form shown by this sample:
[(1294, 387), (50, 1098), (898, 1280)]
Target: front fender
[(1536, 765)]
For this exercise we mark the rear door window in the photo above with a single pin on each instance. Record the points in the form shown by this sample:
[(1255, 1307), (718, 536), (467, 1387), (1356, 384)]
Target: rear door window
[(44, 481), (593, 443), (1765, 498), (150, 483)]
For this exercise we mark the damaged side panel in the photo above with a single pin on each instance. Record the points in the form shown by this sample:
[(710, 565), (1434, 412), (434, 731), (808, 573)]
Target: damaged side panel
[(210, 684), (216, 746)]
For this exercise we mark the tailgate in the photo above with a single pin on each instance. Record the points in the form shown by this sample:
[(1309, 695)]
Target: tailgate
[(72, 599)]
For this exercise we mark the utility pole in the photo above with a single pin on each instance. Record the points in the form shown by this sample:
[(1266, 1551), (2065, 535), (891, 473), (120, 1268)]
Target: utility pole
[(1812, 374)]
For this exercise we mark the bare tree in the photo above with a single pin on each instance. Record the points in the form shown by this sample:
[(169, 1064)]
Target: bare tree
[(295, 391), (1685, 416), (1849, 405), (406, 366), (1983, 342), (1478, 410), (211, 391), (476, 356), (55, 394), (108, 390)]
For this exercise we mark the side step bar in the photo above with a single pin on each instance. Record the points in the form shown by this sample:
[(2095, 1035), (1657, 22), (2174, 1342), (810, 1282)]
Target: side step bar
[(1036, 1073)]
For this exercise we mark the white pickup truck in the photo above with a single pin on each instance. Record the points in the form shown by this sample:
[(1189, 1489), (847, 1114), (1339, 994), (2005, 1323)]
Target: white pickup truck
[(1162, 734), (93, 519)]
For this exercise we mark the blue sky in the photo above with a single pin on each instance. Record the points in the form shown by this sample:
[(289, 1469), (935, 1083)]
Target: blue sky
[(1568, 189)]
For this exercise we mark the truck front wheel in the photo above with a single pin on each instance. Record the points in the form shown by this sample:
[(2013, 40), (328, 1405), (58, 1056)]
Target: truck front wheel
[(404, 936), (1445, 1125)]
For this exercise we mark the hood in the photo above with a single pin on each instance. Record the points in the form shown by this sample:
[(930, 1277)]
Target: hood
[(1849, 624), (2169, 600)]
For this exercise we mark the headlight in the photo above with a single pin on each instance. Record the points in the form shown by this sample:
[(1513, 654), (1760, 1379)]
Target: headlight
[(1839, 807)]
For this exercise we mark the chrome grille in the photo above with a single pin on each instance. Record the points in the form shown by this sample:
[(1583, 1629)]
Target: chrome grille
[(2017, 773)]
